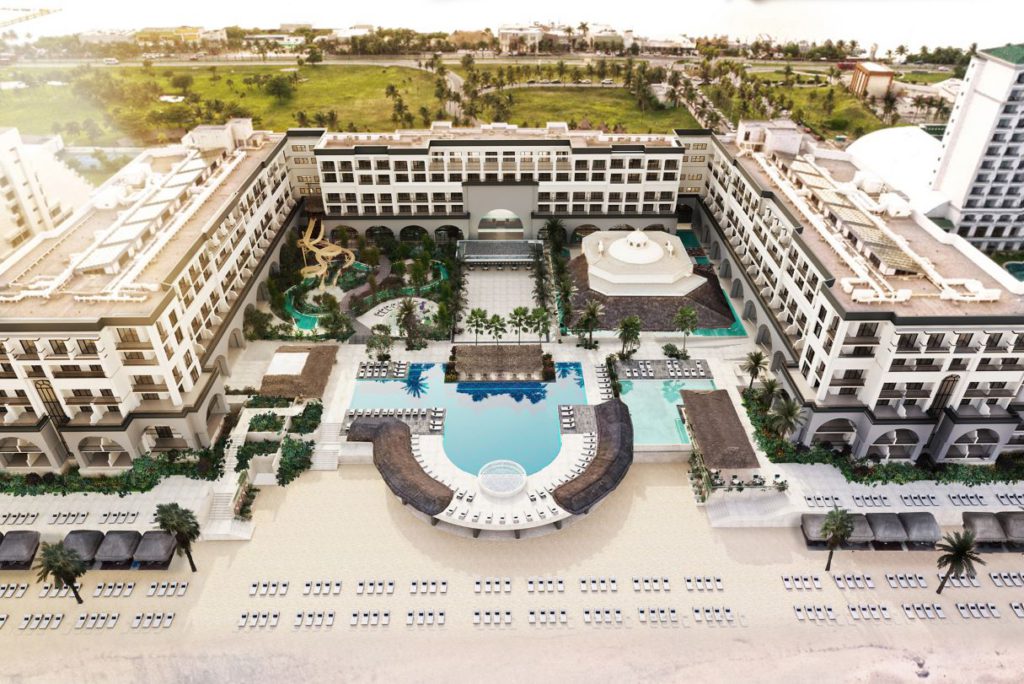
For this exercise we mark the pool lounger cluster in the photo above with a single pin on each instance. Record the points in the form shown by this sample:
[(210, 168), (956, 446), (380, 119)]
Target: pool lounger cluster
[(167, 589), (907, 581), (921, 611), (871, 500), (381, 370), (424, 617), (597, 584), (427, 587), (851, 581), (13, 590), (39, 621), (655, 615), (823, 501), (713, 614), (872, 611), (115, 589), (269, 588), (604, 383), (489, 617), (369, 587), (567, 417), (814, 613), (320, 587), (366, 618), (545, 584), (801, 582), (313, 618), (658, 584), (919, 500), (701, 583), (18, 518), (152, 620), (602, 615), (968, 499), (97, 620), (1011, 499), (547, 617), (1007, 579), (495, 585), (692, 370), (261, 619), (645, 370), (67, 518), (51, 591), (978, 610), (963, 581)]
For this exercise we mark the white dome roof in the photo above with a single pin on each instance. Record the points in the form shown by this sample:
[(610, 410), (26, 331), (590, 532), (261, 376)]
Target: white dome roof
[(636, 248)]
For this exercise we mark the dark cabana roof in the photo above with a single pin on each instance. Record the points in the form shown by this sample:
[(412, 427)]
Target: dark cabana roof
[(921, 527), (985, 526), (887, 528), (118, 546), (1013, 525), (392, 454), (862, 533), (811, 524), (156, 546), (717, 431), (84, 542), (610, 465), (19, 546)]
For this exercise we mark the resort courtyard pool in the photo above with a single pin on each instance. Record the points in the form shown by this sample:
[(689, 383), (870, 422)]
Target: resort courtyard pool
[(652, 406), (485, 421)]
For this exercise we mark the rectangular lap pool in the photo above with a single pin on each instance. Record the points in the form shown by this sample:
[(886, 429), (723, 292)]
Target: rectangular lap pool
[(652, 406)]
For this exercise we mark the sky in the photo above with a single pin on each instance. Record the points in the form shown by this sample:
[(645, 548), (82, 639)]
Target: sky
[(888, 23)]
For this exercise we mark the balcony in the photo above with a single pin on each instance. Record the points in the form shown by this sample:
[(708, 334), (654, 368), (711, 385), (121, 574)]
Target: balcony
[(978, 393), (860, 341), (846, 382)]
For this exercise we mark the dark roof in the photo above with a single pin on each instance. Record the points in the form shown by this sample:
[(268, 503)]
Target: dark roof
[(862, 533), (985, 526), (498, 250), (392, 454), (887, 528), (156, 546), (19, 546), (717, 432), (811, 524), (605, 472), (1013, 525), (118, 546), (84, 543), (921, 527), (473, 359)]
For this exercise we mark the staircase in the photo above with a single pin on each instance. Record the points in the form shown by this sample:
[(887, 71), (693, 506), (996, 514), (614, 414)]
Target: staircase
[(328, 446)]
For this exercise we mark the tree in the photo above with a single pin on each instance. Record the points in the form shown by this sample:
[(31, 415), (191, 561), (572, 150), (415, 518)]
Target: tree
[(959, 556), (380, 342), (519, 320), (182, 82), (590, 317), (181, 524), (477, 323), (629, 332), (408, 322), (62, 564), (836, 528), (786, 417), (685, 321), (496, 326), (418, 274), (280, 87), (540, 323), (769, 390), (754, 365)]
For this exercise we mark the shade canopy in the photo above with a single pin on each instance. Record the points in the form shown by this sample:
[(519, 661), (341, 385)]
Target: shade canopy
[(810, 524), (985, 526), (19, 547), (715, 427), (156, 546), (118, 546), (862, 533), (84, 542), (1013, 525), (921, 527), (611, 463), (887, 528)]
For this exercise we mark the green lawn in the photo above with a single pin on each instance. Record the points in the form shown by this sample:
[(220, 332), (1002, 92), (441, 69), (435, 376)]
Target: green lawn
[(923, 77), (355, 92), (609, 106)]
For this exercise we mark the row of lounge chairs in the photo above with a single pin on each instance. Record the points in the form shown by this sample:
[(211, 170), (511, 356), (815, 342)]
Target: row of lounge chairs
[(424, 617), (851, 581), (700, 583), (254, 619), (18, 518), (317, 588), (382, 370), (1007, 579), (906, 581), (97, 620), (370, 618), (12, 590), (427, 587), (872, 611), (978, 610), (801, 582), (167, 589), (269, 588), (602, 615), (714, 612), (919, 499), (494, 585), (1011, 499), (488, 617), (542, 584), (152, 620), (370, 587), (116, 589), (645, 370), (549, 617), (691, 371), (596, 584), (311, 618), (815, 613), (963, 581), (656, 615), (923, 611), (52, 591), (38, 621), (604, 383), (567, 417), (393, 413), (826, 501)]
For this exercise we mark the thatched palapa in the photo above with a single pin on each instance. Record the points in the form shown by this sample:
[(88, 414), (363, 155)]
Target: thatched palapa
[(1013, 525), (118, 547), (84, 542), (985, 526), (921, 527), (605, 472), (887, 528), (19, 548), (487, 362), (392, 454), (716, 430), (155, 548), (311, 381)]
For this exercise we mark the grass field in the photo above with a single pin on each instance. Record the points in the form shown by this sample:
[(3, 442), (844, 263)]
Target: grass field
[(355, 92), (923, 77), (609, 106)]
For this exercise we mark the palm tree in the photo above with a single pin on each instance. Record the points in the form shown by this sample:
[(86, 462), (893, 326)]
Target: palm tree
[(685, 321), (62, 564), (590, 317), (836, 528), (477, 322), (754, 365), (959, 556), (519, 320), (540, 323), (407, 321), (496, 326), (786, 417), (181, 524), (629, 332), (769, 390)]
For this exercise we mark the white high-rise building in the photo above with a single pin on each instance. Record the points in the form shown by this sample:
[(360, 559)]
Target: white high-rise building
[(981, 170)]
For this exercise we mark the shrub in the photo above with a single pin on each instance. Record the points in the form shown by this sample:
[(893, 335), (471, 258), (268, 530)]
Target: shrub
[(245, 506), (296, 458), (268, 402), (309, 420), (250, 449), (266, 422)]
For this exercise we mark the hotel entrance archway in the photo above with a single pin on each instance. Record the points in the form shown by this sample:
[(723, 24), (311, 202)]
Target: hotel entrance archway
[(500, 224)]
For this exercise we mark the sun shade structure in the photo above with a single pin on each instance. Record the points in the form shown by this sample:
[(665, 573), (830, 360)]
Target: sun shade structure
[(985, 526), (887, 528), (392, 454), (1013, 525), (716, 430), (155, 548), (810, 524), (118, 547), (499, 362), (18, 548), (84, 542), (610, 465), (921, 527), (862, 533)]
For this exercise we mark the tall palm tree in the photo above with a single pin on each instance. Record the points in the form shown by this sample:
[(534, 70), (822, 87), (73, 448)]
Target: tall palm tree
[(786, 417), (496, 326), (519, 320), (181, 524), (836, 528), (540, 323), (62, 564), (685, 321), (590, 317), (959, 556), (407, 320), (754, 365), (769, 390), (629, 332), (477, 323)]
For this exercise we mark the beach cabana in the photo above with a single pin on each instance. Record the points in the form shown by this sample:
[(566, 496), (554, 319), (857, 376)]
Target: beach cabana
[(887, 528), (611, 463), (716, 431), (985, 526), (118, 547), (155, 550), (1012, 523), (84, 542), (922, 528), (18, 548), (810, 525), (862, 533)]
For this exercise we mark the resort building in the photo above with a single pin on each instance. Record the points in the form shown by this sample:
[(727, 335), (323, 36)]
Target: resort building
[(981, 169), (500, 181), (39, 190), (871, 79), (117, 327), (899, 339)]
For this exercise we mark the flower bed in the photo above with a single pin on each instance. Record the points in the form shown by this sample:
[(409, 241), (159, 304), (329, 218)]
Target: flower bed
[(266, 422), (296, 458), (307, 421)]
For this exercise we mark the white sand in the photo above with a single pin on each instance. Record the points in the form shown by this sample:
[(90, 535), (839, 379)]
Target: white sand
[(345, 525), (287, 363)]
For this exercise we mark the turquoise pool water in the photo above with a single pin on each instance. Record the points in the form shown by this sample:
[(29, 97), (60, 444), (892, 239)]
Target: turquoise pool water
[(1016, 269), (652, 405), (485, 421), (688, 238)]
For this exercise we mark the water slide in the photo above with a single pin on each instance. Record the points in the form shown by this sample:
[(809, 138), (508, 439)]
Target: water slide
[(323, 251)]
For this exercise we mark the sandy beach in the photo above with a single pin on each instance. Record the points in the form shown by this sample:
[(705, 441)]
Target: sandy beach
[(345, 525)]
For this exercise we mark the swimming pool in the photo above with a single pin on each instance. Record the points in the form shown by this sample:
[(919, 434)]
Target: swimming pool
[(652, 406), (1016, 269), (485, 421)]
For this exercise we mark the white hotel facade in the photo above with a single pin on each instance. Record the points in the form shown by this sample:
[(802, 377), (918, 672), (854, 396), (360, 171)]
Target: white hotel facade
[(118, 327)]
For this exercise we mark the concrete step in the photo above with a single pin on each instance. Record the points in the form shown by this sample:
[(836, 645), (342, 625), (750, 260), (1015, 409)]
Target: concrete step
[(325, 459)]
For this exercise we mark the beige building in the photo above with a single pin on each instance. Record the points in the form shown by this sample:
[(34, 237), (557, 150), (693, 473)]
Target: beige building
[(871, 79)]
